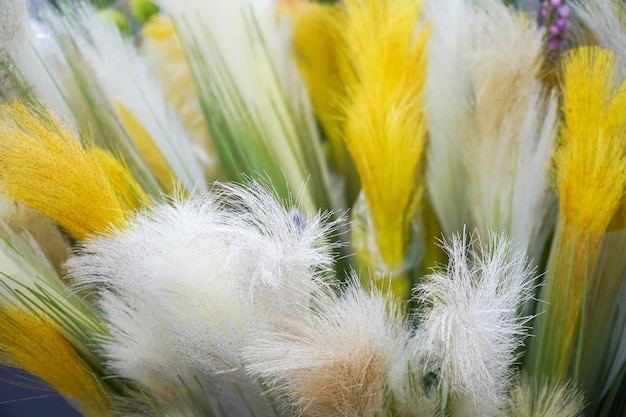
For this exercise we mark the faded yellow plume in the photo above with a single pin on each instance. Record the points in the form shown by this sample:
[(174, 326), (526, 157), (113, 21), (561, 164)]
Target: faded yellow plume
[(30, 343), (162, 48), (44, 165), (383, 65), (148, 149)]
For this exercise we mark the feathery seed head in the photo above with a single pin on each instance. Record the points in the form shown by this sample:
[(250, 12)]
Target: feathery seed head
[(182, 285), (334, 360), (470, 321)]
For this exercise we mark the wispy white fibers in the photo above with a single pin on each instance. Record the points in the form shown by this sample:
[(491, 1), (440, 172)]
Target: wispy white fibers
[(448, 107), (181, 287), (470, 323), (333, 360), (124, 77), (508, 152)]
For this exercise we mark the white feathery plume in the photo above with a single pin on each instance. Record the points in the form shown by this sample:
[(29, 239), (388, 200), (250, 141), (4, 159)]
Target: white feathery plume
[(333, 359), (181, 287), (448, 108), (607, 21), (124, 75), (240, 54), (507, 155), (470, 324)]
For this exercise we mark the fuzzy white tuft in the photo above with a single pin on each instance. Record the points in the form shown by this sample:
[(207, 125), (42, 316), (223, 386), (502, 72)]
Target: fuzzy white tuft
[(471, 326), (334, 359), (182, 286)]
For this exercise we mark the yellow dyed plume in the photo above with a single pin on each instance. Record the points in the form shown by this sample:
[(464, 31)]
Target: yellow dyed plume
[(162, 48), (148, 149), (591, 179), (27, 342), (384, 66), (591, 162), (44, 165)]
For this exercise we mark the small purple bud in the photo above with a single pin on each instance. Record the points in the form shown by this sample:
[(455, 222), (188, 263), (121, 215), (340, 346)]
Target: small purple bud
[(554, 30), (544, 13), (564, 10), (563, 23), (563, 44), (555, 3), (553, 44)]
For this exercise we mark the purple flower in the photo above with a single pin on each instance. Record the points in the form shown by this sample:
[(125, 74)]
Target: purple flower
[(553, 44), (563, 23)]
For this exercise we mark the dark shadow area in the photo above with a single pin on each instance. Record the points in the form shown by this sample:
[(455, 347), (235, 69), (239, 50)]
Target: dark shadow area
[(21, 395)]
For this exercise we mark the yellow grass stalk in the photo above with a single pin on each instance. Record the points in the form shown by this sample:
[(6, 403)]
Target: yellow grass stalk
[(28, 342), (148, 149), (162, 49), (383, 65), (44, 165), (590, 180)]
